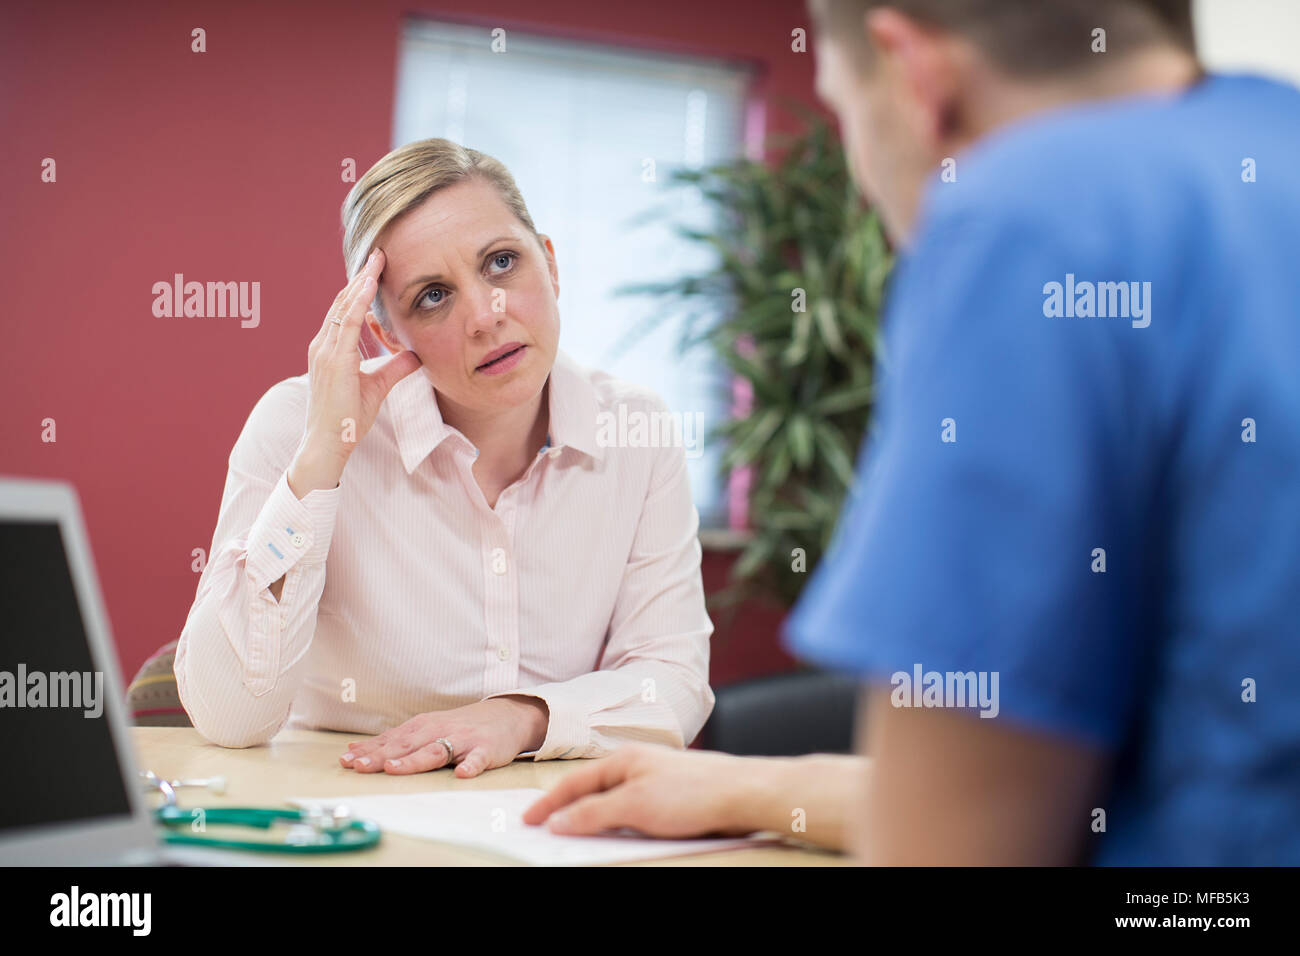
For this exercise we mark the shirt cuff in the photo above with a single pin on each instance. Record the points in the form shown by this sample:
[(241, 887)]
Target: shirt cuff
[(567, 732), (289, 530)]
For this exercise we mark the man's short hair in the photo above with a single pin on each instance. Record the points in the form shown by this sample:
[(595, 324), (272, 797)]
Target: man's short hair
[(1027, 38)]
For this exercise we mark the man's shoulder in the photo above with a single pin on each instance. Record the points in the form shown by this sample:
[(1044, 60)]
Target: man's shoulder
[(1156, 151)]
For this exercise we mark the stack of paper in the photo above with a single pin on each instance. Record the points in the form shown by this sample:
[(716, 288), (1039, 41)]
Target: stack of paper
[(493, 820)]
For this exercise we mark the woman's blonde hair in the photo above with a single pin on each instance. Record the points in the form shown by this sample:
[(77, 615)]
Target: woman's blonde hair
[(405, 178)]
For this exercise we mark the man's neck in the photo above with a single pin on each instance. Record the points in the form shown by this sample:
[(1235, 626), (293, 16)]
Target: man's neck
[(1146, 72), (992, 100)]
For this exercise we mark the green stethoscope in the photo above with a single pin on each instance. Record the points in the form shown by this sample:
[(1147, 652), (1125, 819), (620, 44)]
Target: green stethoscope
[(315, 830)]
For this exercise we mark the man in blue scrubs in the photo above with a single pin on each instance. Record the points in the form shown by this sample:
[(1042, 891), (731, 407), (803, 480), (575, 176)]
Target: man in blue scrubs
[(1070, 574)]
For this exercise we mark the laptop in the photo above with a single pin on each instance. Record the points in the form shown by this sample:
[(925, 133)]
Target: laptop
[(71, 795)]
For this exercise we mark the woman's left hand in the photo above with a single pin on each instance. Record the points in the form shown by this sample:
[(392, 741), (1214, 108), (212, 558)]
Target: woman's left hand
[(490, 733)]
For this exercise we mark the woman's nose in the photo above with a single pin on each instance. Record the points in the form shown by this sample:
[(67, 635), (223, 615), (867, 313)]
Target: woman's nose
[(487, 307)]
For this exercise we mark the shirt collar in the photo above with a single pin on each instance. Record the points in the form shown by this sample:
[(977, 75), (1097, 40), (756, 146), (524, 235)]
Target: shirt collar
[(571, 399)]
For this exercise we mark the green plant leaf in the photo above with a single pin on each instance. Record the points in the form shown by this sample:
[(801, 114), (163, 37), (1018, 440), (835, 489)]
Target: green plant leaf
[(824, 313), (797, 350), (800, 432), (844, 400), (760, 428), (837, 456), (753, 558)]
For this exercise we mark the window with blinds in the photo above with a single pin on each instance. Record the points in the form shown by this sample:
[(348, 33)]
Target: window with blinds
[(592, 135)]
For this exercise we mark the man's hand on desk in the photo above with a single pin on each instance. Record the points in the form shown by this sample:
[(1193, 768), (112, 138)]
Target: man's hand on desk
[(488, 734), (672, 793)]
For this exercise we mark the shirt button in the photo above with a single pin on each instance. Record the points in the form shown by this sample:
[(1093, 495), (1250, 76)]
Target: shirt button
[(298, 540), (503, 653), (498, 561)]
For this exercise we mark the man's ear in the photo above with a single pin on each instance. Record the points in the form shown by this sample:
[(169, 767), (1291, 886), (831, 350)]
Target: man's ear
[(387, 339), (920, 59), (549, 249)]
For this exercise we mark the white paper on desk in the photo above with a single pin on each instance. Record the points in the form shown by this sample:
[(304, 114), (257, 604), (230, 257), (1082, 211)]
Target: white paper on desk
[(493, 820)]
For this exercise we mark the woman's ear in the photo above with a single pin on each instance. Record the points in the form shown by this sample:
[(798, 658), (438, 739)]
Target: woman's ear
[(549, 249), (385, 338)]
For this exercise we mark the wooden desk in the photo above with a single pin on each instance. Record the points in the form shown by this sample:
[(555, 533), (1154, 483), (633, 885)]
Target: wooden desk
[(304, 763)]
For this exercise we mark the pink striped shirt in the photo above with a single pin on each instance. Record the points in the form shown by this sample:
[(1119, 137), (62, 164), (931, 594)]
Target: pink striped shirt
[(405, 593)]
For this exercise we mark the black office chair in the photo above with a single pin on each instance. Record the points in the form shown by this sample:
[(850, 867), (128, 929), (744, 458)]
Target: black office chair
[(789, 714)]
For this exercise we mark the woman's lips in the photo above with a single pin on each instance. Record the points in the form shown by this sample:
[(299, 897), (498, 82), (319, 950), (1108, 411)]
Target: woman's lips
[(504, 364)]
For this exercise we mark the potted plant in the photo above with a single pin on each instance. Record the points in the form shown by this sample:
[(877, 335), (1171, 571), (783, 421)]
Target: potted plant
[(801, 265)]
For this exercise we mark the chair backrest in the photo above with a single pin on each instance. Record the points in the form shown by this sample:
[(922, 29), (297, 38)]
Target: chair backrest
[(789, 714)]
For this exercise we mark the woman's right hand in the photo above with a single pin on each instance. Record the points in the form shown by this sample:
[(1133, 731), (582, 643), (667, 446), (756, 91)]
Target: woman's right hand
[(344, 399)]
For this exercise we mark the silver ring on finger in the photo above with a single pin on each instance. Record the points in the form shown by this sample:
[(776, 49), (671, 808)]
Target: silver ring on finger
[(336, 321), (451, 751)]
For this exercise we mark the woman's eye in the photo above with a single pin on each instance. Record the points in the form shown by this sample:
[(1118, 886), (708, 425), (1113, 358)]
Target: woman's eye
[(504, 260), (432, 302)]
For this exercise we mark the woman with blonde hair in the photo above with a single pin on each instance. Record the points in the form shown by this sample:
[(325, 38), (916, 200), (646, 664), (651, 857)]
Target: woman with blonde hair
[(437, 548)]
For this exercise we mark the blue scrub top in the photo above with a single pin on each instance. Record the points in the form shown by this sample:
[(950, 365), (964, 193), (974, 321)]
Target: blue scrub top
[(1084, 471)]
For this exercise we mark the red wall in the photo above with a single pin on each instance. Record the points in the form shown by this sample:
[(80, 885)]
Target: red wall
[(223, 166)]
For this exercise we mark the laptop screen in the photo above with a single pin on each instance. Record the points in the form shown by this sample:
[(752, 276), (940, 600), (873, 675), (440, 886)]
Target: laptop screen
[(60, 762)]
